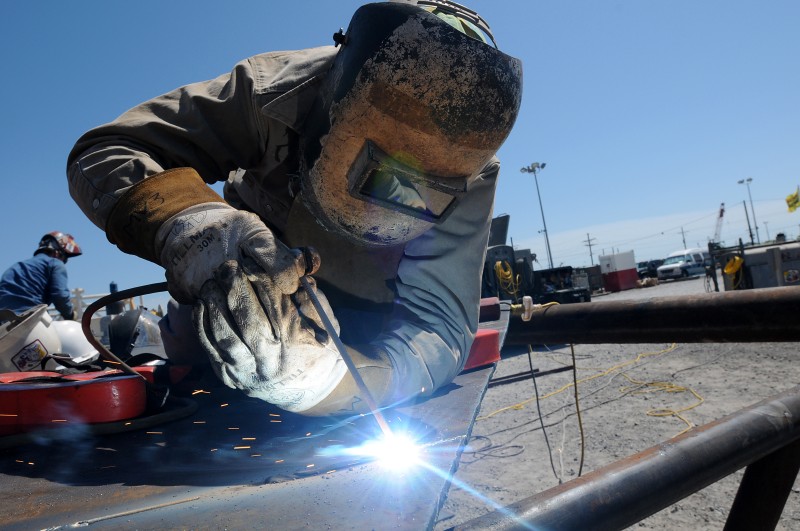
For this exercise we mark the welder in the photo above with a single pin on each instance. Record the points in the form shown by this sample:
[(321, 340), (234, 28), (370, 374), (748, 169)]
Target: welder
[(41, 279), (378, 152)]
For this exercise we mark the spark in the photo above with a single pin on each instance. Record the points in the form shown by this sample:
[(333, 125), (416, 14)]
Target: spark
[(274, 415), (199, 422), (128, 423), (213, 449), (279, 461), (59, 420), (154, 432), (276, 421), (241, 447), (223, 405), (199, 391), (8, 415), (233, 428), (310, 466), (248, 438)]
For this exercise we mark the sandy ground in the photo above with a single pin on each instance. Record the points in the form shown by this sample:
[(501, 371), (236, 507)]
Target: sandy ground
[(508, 459)]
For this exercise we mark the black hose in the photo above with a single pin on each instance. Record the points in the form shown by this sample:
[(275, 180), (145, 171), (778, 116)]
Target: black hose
[(86, 320)]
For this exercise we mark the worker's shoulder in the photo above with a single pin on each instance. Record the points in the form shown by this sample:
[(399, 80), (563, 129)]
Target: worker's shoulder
[(282, 70)]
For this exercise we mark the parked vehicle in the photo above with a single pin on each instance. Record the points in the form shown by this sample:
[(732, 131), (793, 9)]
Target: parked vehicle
[(509, 274), (684, 263), (648, 269)]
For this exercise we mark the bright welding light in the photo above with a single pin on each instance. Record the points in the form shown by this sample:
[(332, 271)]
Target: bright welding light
[(395, 451)]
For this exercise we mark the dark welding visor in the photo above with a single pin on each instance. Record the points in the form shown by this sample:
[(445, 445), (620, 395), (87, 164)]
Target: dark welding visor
[(377, 178)]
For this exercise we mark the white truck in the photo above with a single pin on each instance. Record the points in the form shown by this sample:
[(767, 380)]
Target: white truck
[(684, 263)]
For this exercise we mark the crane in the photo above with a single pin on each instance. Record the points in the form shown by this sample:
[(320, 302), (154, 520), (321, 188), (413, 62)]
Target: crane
[(718, 229)]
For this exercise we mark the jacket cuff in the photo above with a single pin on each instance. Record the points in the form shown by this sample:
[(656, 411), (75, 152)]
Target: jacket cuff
[(145, 206), (375, 368)]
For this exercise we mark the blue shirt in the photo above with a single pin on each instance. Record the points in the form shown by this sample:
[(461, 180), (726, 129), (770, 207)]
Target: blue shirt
[(38, 280)]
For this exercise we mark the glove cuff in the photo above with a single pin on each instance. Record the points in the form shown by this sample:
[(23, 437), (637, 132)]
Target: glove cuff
[(148, 204)]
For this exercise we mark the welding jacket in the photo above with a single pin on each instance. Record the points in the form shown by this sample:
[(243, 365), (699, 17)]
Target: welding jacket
[(418, 303)]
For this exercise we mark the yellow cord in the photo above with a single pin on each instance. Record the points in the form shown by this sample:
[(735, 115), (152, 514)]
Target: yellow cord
[(667, 387), (505, 275), (606, 372)]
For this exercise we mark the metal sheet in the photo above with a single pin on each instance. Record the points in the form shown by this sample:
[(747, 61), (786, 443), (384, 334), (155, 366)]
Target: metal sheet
[(232, 465)]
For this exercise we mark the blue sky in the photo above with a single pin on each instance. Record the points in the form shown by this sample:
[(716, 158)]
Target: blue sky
[(646, 113)]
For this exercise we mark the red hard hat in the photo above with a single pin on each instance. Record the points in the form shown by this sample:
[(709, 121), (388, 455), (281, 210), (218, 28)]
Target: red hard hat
[(61, 241)]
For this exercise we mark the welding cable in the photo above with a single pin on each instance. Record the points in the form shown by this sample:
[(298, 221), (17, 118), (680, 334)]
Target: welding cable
[(606, 372), (86, 321), (541, 418), (577, 408), (156, 396), (489, 449)]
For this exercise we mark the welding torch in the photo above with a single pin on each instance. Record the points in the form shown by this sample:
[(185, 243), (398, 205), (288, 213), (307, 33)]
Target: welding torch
[(348, 360)]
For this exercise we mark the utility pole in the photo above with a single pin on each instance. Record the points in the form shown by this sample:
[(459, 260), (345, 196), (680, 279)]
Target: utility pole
[(588, 242), (683, 235), (766, 225), (747, 217), (534, 169)]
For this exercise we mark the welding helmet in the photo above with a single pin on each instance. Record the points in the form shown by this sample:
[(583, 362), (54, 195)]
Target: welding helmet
[(135, 332), (409, 114), (61, 244)]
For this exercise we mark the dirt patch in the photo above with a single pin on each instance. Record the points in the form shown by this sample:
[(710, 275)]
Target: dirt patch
[(631, 397)]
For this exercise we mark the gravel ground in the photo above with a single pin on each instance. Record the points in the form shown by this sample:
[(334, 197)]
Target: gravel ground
[(620, 387)]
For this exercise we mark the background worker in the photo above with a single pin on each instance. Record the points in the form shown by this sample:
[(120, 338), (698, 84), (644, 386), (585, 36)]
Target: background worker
[(378, 152), (41, 279)]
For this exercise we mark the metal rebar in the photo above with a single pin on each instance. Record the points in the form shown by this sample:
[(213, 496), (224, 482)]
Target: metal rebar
[(348, 360)]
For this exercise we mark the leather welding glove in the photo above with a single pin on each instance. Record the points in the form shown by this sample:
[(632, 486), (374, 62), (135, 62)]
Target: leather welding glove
[(259, 331), (261, 334)]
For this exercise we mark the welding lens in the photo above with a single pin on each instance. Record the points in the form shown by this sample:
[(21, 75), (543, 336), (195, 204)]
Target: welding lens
[(377, 178)]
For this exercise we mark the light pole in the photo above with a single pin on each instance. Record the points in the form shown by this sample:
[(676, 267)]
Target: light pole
[(752, 209), (534, 169)]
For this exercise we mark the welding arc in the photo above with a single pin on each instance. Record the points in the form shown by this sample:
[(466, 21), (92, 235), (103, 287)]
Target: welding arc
[(351, 366)]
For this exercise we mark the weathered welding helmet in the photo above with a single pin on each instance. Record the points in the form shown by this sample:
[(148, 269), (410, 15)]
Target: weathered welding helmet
[(412, 110)]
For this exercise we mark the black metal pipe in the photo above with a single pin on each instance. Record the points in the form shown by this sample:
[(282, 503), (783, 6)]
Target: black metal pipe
[(759, 315), (630, 490), (764, 489)]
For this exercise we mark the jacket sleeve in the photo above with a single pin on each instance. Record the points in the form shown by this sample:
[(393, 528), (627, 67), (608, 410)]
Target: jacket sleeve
[(212, 127), (439, 289), (58, 290)]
